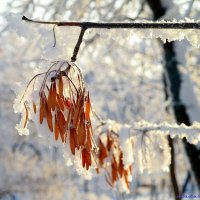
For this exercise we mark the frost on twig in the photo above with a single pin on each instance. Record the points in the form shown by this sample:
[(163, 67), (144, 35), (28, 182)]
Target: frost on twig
[(191, 133), (165, 30), (191, 35)]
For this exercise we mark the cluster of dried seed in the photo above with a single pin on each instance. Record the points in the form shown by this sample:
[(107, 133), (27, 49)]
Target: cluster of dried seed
[(110, 152), (65, 107)]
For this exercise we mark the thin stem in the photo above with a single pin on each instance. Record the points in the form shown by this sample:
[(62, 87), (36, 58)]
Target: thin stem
[(47, 74), (30, 83), (78, 44), (119, 25), (54, 36), (73, 84)]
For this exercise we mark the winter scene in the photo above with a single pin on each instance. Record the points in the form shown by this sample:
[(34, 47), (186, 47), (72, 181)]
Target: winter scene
[(99, 99)]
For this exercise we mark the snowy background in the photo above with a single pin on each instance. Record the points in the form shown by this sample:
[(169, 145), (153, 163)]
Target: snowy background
[(123, 71)]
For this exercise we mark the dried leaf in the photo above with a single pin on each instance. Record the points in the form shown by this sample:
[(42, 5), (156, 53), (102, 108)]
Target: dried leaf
[(60, 102), (83, 159), (114, 170), (48, 115), (56, 128), (61, 125), (78, 109), (103, 153), (97, 170), (121, 165), (87, 108), (89, 139), (86, 158), (26, 118), (126, 179), (67, 102), (72, 140), (51, 98), (109, 142), (82, 131), (130, 169), (60, 86), (68, 119), (34, 108), (42, 113)]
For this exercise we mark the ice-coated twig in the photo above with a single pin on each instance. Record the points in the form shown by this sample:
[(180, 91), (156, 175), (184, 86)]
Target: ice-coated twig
[(121, 25), (191, 133)]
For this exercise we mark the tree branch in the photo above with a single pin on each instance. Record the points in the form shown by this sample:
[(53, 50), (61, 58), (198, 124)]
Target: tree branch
[(120, 25)]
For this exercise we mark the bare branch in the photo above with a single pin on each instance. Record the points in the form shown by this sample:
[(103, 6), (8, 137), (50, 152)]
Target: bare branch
[(118, 25)]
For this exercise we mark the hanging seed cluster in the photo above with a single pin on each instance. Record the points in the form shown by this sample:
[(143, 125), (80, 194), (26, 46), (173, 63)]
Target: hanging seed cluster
[(110, 152), (64, 106)]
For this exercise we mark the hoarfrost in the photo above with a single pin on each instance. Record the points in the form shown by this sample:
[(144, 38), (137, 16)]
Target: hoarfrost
[(123, 187), (191, 133), (86, 174), (126, 145), (191, 35)]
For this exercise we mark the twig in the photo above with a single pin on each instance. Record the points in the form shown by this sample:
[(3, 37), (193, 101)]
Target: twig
[(120, 25), (78, 44), (54, 36)]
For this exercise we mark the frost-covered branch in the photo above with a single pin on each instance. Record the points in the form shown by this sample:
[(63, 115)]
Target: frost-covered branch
[(191, 133), (120, 25)]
